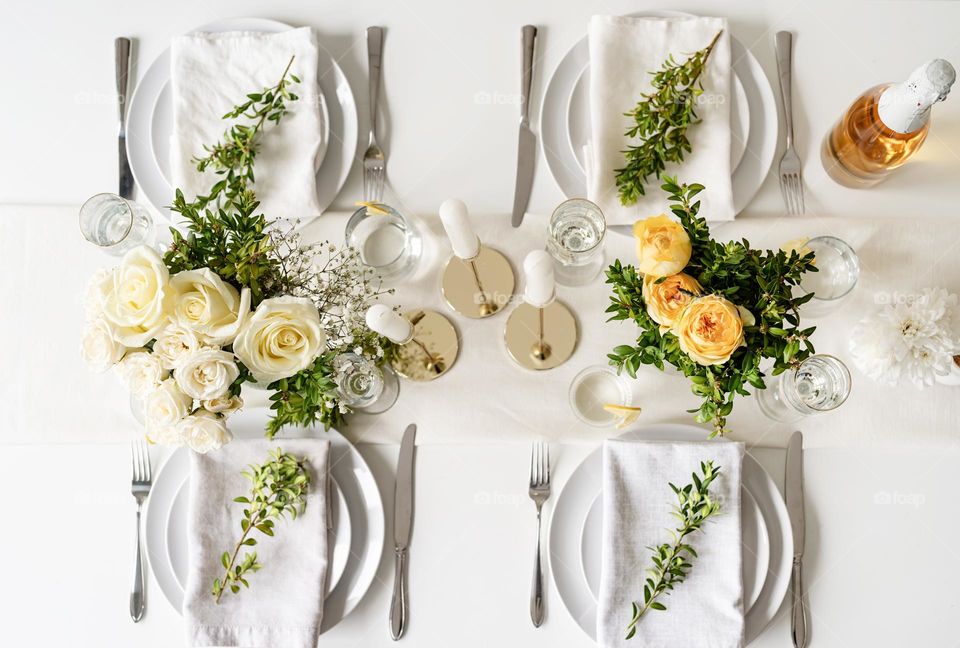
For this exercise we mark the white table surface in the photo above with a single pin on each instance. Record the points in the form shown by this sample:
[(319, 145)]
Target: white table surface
[(881, 563)]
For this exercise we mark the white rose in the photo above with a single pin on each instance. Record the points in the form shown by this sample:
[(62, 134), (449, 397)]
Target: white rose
[(138, 301), (282, 337), (142, 372), (174, 344), (225, 405), (206, 373), (167, 436), (99, 348), (165, 406), (209, 306), (95, 295), (204, 431)]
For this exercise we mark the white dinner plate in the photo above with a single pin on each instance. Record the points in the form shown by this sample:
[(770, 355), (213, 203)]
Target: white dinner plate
[(565, 120), (359, 496), (576, 524), (150, 122)]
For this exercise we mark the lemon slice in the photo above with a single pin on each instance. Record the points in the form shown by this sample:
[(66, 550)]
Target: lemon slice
[(624, 414), (372, 208)]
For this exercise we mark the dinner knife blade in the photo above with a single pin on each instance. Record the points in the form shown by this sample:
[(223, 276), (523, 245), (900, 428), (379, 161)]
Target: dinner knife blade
[(122, 49), (794, 492), (402, 522), (527, 142)]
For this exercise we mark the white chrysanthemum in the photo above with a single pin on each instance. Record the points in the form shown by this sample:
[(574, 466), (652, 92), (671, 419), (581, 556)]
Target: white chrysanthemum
[(909, 341)]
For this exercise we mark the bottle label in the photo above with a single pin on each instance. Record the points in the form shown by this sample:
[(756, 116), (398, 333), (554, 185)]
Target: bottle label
[(901, 110)]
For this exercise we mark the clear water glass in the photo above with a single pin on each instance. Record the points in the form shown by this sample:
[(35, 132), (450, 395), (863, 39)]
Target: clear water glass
[(386, 242), (115, 224), (575, 241), (364, 386), (838, 269), (595, 387), (821, 383)]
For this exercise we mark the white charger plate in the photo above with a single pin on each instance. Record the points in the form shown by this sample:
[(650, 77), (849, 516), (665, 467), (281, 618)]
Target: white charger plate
[(354, 481), (565, 120), (576, 525), (150, 122)]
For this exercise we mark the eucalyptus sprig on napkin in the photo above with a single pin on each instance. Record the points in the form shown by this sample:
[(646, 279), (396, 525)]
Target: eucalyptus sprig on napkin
[(672, 561), (278, 488)]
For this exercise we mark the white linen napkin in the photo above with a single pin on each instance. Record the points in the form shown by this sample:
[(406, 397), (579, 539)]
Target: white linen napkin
[(284, 604), (706, 610), (623, 53), (212, 72)]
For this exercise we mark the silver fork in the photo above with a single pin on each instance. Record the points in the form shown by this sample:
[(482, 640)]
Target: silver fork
[(374, 161), (791, 177), (539, 493), (141, 488)]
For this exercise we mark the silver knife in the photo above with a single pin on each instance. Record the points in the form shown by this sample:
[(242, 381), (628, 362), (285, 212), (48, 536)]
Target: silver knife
[(122, 48), (794, 493), (527, 146), (402, 523), (625, 230)]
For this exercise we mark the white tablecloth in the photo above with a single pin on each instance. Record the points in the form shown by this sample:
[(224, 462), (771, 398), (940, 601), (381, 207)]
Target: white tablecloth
[(49, 396)]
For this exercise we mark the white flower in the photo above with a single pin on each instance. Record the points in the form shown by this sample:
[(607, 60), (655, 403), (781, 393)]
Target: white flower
[(225, 405), (141, 371), (138, 300), (95, 295), (174, 344), (209, 306), (281, 338), (99, 348), (913, 340), (168, 436), (207, 373), (165, 406), (204, 431)]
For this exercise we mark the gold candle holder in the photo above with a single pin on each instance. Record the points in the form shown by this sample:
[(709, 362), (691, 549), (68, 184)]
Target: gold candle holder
[(478, 287), (541, 338), (432, 349)]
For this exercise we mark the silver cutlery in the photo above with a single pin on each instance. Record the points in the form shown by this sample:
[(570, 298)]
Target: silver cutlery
[(140, 487), (374, 161), (791, 176), (794, 495), (623, 230), (122, 47), (402, 524), (539, 493), (527, 145)]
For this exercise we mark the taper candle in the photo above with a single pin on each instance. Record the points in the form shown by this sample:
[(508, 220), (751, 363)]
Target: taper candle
[(540, 284), (456, 222)]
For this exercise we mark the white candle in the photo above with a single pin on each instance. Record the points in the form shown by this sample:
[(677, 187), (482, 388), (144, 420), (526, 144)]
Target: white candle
[(383, 320), (456, 222), (540, 288)]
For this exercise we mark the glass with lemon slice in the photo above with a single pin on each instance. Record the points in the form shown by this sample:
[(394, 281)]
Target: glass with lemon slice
[(386, 240), (601, 398)]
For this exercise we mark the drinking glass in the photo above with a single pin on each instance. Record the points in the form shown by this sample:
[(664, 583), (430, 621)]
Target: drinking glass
[(821, 383), (364, 386), (575, 241), (115, 224), (595, 387), (838, 269), (386, 240)]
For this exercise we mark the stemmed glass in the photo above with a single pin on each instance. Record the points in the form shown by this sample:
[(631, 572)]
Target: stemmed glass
[(575, 242), (821, 383), (363, 386)]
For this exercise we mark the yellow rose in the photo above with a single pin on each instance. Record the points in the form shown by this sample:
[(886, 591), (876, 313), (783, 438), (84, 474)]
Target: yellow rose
[(710, 329), (663, 247), (666, 299)]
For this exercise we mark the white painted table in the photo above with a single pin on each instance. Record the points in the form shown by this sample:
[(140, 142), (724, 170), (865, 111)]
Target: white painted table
[(882, 562)]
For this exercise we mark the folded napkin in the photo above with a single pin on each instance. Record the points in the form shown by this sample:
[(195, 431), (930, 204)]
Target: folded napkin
[(623, 53), (284, 604), (212, 72), (706, 610)]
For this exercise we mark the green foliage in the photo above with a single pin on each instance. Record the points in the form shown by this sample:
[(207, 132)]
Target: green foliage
[(661, 120), (672, 561), (306, 397), (761, 281), (278, 488)]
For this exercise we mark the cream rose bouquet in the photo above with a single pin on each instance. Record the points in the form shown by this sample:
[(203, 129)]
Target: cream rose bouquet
[(713, 310), (235, 299)]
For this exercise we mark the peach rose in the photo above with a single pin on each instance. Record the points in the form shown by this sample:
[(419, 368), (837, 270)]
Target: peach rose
[(710, 329), (663, 246), (666, 299)]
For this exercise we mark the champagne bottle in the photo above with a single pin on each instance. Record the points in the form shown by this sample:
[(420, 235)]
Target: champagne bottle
[(885, 126)]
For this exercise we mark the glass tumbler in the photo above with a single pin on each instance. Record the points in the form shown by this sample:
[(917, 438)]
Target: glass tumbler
[(386, 241), (114, 224), (575, 241), (595, 387), (821, 383), (364, 386), (838, 269)]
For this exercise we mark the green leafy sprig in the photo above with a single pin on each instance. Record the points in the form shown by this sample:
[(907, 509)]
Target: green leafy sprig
[(762, 281), (278, 488), (306, 397), (672, 561), (661, 119)]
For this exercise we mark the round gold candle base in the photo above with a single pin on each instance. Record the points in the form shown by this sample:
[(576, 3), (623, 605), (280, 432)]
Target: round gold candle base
[(433, 349), (524, 342), (479, 287)]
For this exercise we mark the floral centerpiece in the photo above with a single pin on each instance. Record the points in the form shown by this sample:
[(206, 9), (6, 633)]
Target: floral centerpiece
[(713, 310), (235, 299)]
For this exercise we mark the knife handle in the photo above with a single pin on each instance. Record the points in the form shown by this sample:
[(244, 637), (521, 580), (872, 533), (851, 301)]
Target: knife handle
[(798, 616), (121, 48), (526, 73), (398, 604)]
